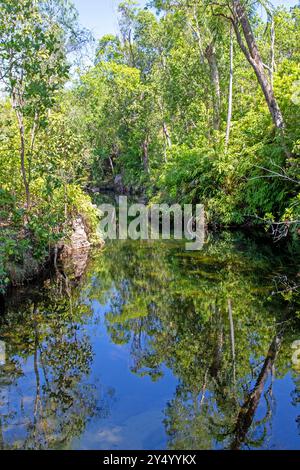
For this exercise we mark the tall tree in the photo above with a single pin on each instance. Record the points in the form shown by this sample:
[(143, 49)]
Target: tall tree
[(33, 67), (230, 91), (237, 12), (35, 38), (205, 32)]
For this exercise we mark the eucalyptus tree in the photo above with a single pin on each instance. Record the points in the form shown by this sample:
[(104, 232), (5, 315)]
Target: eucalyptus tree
[(128, 11), (238, 13), (206, 32)]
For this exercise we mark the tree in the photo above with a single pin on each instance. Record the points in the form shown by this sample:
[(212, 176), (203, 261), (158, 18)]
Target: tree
[(205, 32), (230, 91), (238, 16), (33, 67), (35, 38)]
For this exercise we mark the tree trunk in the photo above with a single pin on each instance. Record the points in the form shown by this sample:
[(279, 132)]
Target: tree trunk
[(168, 140), (131, 52), (145, 147), (218, 347), (252, 54), (111, 165), (167, 135), (22, 158), (33, 136), (273, 63), (210, 55), (248, 409), (232, 338), (230, 94)]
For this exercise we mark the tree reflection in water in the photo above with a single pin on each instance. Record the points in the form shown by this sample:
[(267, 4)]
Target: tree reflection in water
[(46, 395), (215, 318)]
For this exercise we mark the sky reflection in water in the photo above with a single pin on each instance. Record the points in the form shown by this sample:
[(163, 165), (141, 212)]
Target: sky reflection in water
[(138, 354)]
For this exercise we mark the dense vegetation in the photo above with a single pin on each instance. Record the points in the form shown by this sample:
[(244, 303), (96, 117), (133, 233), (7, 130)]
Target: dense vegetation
[(192, 102), (43, 161), (200, 103)]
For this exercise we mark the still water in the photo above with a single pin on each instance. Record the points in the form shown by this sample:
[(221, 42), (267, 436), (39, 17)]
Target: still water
[(154, 347)]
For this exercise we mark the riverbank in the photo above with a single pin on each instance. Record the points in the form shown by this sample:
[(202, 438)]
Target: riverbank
[(26, 256), (29, 245)]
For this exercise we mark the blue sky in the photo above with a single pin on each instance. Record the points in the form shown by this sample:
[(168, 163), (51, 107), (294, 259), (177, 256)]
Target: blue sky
[(100, 16)]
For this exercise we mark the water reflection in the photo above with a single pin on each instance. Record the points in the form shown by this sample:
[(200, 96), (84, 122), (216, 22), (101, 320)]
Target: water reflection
[(46, 395), (156, 348)]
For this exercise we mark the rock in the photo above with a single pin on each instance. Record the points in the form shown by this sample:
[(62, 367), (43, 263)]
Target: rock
[(79, 239), (118, 182), (74, 255), (74, 265)]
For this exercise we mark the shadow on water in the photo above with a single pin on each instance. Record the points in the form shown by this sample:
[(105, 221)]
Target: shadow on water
[(156, 347)]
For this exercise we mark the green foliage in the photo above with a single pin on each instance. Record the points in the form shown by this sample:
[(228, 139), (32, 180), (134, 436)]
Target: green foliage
[(186, 174), (41, 174), (152, 111), (153, 88)]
